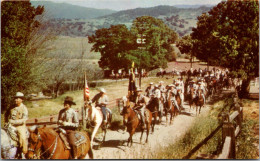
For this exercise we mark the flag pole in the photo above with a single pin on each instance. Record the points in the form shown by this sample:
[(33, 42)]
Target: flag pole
[(83, 107)]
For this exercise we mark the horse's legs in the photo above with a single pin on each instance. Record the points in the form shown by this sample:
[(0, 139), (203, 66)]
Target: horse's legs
[(142, 131), (93, 134), (104, 133)]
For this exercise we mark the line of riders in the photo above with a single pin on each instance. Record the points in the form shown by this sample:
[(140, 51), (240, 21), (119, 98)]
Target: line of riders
[(211, 82), (68, 120)]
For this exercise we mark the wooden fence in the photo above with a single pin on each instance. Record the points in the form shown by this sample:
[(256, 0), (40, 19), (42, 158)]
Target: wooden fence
[(231, 126), (52, 119)]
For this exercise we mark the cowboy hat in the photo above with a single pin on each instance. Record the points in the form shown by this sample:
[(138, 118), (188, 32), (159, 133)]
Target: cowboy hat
[(139, 90), (102, 90), (19, 95), (69, 100), (151, 83)]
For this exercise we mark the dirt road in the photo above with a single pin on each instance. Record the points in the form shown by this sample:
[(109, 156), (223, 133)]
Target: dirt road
[(115, 146)]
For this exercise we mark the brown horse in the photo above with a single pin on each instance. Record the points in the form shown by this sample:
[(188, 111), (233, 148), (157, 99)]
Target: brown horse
[(199, 100), (191, 97), (178, 99), (52, 147), (131, 121), (171, 108), (153, 106)]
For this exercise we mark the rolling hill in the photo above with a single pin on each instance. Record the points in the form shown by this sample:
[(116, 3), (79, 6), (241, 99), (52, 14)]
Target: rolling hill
[(68, 11), (82, 21)]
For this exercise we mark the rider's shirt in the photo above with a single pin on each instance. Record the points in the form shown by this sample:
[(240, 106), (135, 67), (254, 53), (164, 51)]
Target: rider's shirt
[(162, 88), (19, 115), (140, 100), (99, 99), (70, 116), (149, 91), (157, 93)]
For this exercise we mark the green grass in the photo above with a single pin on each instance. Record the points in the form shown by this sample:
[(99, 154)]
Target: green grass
[(247, 140)]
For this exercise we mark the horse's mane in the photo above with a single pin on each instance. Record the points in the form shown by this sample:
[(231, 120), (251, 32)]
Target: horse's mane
[(46, 131)]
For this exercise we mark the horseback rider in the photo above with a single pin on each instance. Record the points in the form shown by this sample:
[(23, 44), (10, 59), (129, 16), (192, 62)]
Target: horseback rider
[(101, 100), (149, 90), (203, 90), (17, 120), (179, 88), (191, 85), (140, 104), (163, 90), (68, 122), (172, 90), (157, 95)]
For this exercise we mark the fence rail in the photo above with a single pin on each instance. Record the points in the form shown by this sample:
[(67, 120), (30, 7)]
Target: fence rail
[(52, 119), (230, 131)]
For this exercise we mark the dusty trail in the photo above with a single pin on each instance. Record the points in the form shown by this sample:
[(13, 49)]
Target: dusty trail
[(116, 147)]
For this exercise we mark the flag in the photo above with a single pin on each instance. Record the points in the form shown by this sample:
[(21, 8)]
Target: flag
[(132, 86), (86, 89)]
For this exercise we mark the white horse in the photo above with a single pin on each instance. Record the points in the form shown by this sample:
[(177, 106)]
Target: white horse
[(9, 143), (8, 146), (95, 117)]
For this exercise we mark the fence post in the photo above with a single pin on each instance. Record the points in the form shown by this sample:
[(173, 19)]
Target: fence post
[(51, 119), (229, 130)]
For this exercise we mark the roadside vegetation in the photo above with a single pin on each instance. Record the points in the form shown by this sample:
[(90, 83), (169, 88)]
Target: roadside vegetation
[(247, 140)]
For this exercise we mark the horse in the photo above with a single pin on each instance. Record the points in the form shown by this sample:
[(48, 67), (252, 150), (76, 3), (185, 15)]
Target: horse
[(8, 146), (178, 99), (191, 97), (153, 106), (95, 118), (131, 121), (171, 108), (48, 141), (10, 143), (199, 100)]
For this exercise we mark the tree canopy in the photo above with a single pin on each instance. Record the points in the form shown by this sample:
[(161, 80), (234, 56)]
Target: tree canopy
[(18, 21), (118, 46), (228, 36)]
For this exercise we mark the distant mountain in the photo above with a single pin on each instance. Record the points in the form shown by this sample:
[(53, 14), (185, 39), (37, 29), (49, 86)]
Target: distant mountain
[(181, 20), (68, 11), (191, 6)]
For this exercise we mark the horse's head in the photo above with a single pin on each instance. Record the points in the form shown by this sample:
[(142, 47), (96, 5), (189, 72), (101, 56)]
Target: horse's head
[(35, 143), (127, 108)]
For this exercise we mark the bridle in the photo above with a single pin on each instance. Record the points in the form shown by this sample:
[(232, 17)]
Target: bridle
[(40, 139)]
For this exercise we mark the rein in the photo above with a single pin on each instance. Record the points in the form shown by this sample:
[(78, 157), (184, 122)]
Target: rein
[(54, 149)]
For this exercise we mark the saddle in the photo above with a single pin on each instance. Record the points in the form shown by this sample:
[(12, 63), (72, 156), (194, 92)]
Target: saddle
[(80, 139)]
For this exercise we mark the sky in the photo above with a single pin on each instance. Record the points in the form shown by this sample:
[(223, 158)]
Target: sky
[(131, 4)]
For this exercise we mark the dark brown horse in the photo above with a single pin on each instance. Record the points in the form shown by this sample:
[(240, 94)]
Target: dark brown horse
[(171, 108), (199, 102), (153, 106), (131, 121), (52, 147)]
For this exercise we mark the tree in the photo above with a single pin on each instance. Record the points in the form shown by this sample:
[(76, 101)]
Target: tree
[(18, 22), (185, 45), (228, 35), (157, 45), (114, 44)]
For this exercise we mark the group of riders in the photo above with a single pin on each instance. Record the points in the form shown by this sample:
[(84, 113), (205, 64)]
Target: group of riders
[(209, 82), (68, 120), (68, 123)]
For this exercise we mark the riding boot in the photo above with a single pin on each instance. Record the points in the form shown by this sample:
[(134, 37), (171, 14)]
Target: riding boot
[(64, 138), (74, 152), (143, 121)]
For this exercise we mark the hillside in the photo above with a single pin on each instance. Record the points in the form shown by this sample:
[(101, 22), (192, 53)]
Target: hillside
[(68, 11), (182, 20)]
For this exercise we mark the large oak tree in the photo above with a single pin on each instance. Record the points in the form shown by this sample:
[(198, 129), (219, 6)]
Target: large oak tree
[(228, 36)]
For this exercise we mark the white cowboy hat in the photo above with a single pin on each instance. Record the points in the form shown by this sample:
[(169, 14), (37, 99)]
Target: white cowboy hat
[(151, 83), (161, 82), (139, 90), (102, 90), (19, 95)]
